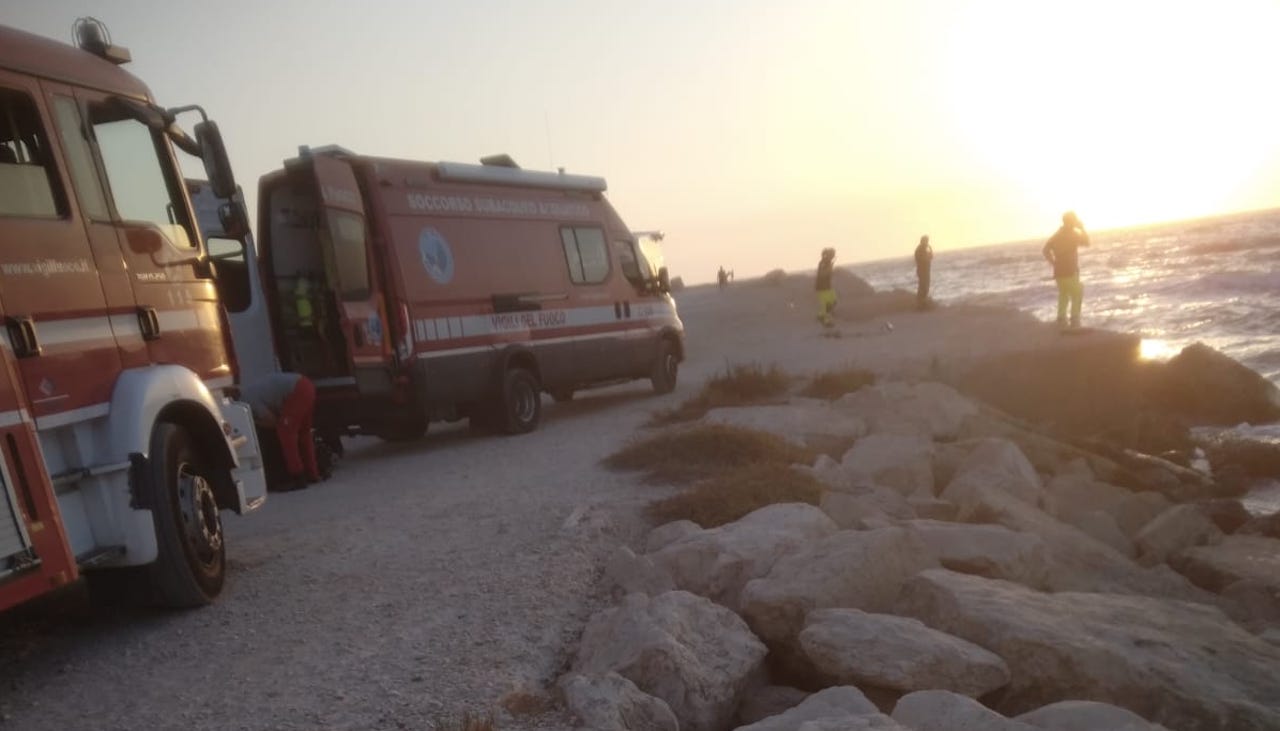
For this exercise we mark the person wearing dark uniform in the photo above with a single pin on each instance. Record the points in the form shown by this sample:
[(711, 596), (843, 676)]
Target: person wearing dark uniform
[(924, 259), (286, 402), (822, 285), (1062, 251)]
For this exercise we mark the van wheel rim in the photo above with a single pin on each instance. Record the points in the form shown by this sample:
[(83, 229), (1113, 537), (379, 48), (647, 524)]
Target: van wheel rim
[(526, 403), (201, 523), (669, 366)]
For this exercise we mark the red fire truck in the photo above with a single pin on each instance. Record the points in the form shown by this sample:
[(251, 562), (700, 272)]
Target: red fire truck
[(118, 450), (413, 291)]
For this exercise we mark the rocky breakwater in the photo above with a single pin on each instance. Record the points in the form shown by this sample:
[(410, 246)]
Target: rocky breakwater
[(960, 572)]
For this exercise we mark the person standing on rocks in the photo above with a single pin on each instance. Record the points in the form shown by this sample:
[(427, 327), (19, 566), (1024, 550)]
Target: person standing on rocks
[(924, 260), (826, 295), (1062, 251)]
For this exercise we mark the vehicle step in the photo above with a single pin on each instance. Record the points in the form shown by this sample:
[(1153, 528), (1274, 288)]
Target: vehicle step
[(99, 556)]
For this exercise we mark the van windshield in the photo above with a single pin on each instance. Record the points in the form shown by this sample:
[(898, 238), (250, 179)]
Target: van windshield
[(651, 259)]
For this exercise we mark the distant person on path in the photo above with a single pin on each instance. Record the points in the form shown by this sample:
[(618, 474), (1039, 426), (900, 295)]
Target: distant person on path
[(722, 277), (286, 403), (1062, 251), (826, 295), (924, 259)]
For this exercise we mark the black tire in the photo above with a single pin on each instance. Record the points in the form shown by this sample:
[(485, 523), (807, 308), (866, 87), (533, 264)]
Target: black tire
[(666, 368), (521, 403), (561, 395), (192, 565)]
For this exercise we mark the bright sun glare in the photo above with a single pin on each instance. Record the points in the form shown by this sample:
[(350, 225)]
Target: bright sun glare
[(1133, 111)]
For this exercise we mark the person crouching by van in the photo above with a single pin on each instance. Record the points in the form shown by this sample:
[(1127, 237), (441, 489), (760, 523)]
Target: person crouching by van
[(286, 403), (826, 295)]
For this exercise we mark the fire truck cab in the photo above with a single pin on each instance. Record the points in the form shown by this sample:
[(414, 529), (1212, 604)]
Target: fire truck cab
[(118, 449), (413, 291)]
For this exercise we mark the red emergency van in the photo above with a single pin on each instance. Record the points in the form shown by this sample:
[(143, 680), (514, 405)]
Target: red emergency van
[(118, 449), (413, 291)]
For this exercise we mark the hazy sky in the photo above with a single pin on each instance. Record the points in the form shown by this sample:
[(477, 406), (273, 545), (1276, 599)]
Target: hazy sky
[(754, 133)]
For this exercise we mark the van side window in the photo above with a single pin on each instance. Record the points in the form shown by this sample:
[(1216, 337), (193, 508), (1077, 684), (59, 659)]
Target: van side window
[(136, 175), (586, 254), (28, 183), (84, 172)]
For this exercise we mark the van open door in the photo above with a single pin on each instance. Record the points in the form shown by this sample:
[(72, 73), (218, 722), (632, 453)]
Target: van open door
[(346, 300)]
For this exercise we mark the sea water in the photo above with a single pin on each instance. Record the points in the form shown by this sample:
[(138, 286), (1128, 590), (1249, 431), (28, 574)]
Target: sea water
[(1212, 280)]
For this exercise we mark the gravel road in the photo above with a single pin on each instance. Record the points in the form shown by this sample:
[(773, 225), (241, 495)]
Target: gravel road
[(423, 580)]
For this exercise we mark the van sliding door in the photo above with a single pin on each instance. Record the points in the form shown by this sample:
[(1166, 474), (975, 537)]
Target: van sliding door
[(344, 234)]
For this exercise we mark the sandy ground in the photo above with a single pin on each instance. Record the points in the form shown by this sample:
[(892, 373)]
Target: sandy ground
[(429, 578)]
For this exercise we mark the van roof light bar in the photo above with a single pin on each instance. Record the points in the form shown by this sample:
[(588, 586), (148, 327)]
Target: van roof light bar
[(91, 34), (458, 172)]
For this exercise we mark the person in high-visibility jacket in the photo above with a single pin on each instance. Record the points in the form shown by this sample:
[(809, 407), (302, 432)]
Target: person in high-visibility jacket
[(822, 284), (302, 301)]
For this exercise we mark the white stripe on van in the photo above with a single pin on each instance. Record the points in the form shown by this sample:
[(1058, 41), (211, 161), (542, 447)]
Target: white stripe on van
[(506, 323)]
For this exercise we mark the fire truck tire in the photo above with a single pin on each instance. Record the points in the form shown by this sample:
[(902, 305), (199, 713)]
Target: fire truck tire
[(521, 403), (191, 567), (666, 368)]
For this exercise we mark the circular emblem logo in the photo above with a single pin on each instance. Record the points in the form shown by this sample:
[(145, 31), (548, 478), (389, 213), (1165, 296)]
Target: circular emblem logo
[(437, 259)]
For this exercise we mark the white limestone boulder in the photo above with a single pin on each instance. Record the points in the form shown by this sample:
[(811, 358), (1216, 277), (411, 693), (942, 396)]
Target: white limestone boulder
[(1078, 562), (842, 702), (668, 533), (993, 551), (1180, 664), (695, 655), (765, 701), (994, 464), (1102, 527), (903, 462), (897, 653), (854, 569), (1074, 492), (931, 409), (716, 563), (1178, 528), (941, 710), (1138, 509), (866, 508), (1086, 716), (634, 573), (612, 703)]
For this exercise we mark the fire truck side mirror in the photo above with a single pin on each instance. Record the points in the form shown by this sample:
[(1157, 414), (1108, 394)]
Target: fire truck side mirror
[(232, 220), (217, 165), (664, 280)]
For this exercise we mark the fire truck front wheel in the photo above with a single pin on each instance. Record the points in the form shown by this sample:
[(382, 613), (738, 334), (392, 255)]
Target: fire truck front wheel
[(521, 404), (666, 368), (191, 567)]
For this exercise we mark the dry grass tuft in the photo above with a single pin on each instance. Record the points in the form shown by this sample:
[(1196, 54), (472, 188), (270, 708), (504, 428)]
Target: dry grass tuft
[(706, 450), (728, 497), (741, 385), (469, 722), (831, 385)]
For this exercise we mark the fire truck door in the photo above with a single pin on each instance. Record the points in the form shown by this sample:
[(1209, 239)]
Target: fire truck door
[(57, 320), (344, 235), (176, 300)]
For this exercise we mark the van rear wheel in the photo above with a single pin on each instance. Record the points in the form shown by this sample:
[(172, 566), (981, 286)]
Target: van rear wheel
[(521, 403), (191, 566), (666, 369)]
